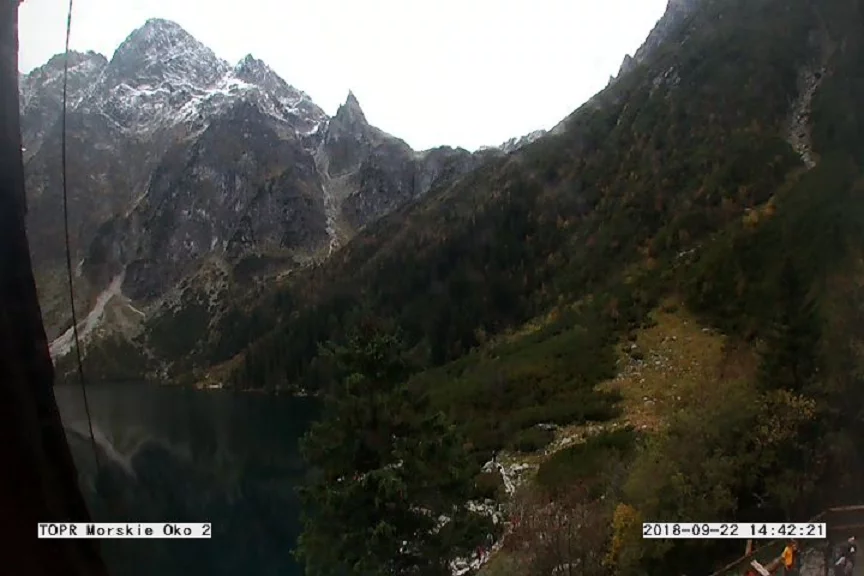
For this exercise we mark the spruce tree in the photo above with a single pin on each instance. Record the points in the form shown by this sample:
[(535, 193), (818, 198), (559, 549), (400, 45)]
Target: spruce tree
[(790, 355), (386, 471)]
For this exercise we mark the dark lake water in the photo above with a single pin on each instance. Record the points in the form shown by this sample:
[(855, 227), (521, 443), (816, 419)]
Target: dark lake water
[(179, 455)]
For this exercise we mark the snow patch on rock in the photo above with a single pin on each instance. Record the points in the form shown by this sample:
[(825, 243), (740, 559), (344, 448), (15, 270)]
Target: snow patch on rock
[(161, 77)]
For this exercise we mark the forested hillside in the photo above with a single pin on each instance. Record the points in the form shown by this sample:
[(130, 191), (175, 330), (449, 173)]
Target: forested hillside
[(678, 178), (723, 173)]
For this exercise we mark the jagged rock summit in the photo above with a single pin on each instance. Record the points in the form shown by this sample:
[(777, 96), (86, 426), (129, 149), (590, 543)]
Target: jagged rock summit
[(351, 110), (350, 121)]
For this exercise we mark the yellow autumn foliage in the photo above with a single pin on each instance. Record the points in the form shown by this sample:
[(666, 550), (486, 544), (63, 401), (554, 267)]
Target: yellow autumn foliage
[(626, 532)]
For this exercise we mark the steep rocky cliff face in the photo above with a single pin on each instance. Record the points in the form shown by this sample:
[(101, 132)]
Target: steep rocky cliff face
[(673, 19), (176, 158), (237, 188), (367, 173)]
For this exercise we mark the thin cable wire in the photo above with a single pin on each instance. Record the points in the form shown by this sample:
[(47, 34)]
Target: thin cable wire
[(66, 232)]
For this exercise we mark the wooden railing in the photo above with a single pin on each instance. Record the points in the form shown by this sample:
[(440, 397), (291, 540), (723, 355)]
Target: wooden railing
[(841, 522)]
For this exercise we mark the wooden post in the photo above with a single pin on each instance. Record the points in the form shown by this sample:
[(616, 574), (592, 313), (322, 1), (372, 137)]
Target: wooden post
[(39, 481)]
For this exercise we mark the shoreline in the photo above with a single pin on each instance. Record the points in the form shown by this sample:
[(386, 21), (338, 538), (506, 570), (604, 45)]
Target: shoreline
[(301, 393), (198, 387)]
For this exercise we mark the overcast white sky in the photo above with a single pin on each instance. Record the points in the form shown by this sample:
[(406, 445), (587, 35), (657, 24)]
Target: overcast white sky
[(458, 72)]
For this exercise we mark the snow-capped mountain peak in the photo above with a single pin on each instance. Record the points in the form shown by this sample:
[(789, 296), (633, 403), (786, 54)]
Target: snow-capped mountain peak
[(254, 71), (162, 51), (161, 76), (286, 101)]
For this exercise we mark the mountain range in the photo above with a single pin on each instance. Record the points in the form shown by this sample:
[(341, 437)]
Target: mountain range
[(179, 162), (186, 170)]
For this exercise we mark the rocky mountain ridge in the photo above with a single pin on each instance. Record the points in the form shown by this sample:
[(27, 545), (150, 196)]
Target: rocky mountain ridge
[(675, 15), (517, 142)]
